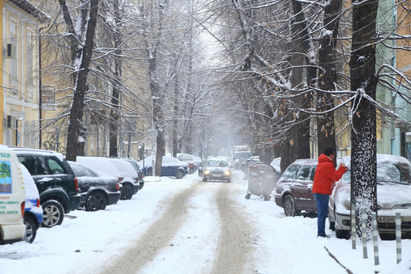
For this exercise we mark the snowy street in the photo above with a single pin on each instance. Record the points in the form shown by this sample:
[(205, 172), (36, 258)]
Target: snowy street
[(188, 226)]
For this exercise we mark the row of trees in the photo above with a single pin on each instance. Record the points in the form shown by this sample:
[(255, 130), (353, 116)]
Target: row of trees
[(283, 64), (304, 71)]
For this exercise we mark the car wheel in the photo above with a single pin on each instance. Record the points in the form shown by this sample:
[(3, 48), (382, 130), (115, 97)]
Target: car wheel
[(342, 234), (179, 174), (332, 225), (53, 213), (126, 192), (289, 206), (31, 229), (96, 201)]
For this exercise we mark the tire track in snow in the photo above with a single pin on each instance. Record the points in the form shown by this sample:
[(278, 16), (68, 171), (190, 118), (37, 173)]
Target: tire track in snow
[(234, 251), (157, 236)]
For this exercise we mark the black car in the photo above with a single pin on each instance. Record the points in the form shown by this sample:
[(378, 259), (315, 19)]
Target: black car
[(96, 191), (139, 172), (55, 181)]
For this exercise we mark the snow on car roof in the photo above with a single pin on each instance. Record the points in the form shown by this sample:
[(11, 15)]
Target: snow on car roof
[(306, 161), (19, 150), (125, 166), (99, 164), (380, 158)]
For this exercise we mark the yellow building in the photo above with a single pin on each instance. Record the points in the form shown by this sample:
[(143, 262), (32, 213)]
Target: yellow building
[(20, 77)]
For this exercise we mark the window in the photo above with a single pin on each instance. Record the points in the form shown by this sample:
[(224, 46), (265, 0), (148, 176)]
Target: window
[(291, 172), (48, 97), (30, 62), (13, 77), (33, 164), (304, 173), (54, 166)]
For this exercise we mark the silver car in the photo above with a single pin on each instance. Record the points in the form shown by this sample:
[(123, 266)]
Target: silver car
[(217, 169), (393, 195)]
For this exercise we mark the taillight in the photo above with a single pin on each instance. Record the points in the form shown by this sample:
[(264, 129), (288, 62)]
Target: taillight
[(117, 186), (38, 203), (141, 175), (23, 206), (76, 183)]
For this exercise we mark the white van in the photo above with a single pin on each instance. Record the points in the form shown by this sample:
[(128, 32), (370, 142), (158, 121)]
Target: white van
[(12, 197)]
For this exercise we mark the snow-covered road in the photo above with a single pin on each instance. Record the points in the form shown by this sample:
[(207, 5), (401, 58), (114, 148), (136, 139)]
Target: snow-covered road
[(187, 226)]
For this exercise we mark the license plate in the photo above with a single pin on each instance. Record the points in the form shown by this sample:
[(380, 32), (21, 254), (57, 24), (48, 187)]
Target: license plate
[(386, 219)]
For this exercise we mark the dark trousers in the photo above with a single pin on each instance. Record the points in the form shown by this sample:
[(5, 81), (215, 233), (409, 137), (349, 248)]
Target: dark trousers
[(321, 201)]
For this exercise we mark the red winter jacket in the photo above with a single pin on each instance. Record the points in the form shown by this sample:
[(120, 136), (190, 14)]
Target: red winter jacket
[(325, 175)]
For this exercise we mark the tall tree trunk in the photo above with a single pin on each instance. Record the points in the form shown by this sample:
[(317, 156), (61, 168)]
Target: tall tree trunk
[(116, 82), (175, 114), (364, 81), (76, 129), (328, 76)]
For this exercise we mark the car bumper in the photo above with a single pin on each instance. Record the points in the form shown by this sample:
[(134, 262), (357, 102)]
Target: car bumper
[(113, 197), (73, 202), (12, 232), (221, 177), (278, 198)]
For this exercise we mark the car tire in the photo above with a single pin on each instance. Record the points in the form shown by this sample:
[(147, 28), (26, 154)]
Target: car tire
[(332, 225), (31, 229), (342, 234), (289, 206), (179, 174), (126, 192), (248, 196), (53, 213), (96, 201)]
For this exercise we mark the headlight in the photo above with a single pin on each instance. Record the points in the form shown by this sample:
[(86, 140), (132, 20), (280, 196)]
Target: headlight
[(227, 173), (206, 172)]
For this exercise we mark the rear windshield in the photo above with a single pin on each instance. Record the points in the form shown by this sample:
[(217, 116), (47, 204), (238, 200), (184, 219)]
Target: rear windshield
[(243, 155)]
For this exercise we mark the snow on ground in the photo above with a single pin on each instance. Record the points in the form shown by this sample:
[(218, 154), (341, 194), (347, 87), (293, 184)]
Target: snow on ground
[(86, 240)]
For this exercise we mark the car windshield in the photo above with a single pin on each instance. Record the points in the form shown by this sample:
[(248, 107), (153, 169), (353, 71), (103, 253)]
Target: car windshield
[(290, 172), (243, 155), (217, 163), (389, 172)]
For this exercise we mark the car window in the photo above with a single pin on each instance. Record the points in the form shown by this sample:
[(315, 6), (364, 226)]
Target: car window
[(312, 173), (185, 158), (304, 173), (55, 167), (393, 173), (33, 164), (291, 172)]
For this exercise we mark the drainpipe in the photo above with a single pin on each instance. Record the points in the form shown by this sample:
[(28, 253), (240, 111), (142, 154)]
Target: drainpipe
[(40, 89)]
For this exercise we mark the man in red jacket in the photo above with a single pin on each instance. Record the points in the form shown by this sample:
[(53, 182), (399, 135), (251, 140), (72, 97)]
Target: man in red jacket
[(324, 181)]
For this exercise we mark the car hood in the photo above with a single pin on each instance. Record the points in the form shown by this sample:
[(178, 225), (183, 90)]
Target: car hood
[(394, 196), (215, 168), (389, 196)]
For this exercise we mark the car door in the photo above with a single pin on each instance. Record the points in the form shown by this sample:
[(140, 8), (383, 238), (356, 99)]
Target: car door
[(60, 174), (303, 195), (37, 168)]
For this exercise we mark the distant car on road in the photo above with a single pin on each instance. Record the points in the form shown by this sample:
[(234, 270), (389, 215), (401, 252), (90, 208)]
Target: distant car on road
[(217, 169), (294, 188), (97, 191), (240, 159), (170, 167), (393, 195)]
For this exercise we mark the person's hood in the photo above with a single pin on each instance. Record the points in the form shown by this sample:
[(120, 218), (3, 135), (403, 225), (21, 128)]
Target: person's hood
[(324, 158)]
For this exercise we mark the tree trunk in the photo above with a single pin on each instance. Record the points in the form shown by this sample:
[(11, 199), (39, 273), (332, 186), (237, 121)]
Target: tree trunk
[(76, 128), (175, 121), (328, 76), (160, 151), (363, 80), (116, 82)]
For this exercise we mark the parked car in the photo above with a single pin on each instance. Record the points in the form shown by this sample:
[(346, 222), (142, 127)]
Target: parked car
[(33, 212), (12, 197), (118, 168), (189, 160), (170, 167), (393, 195), (240, 158), (97, 191), (217, 169), (55, 182), (294, 188), (137, 168)]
